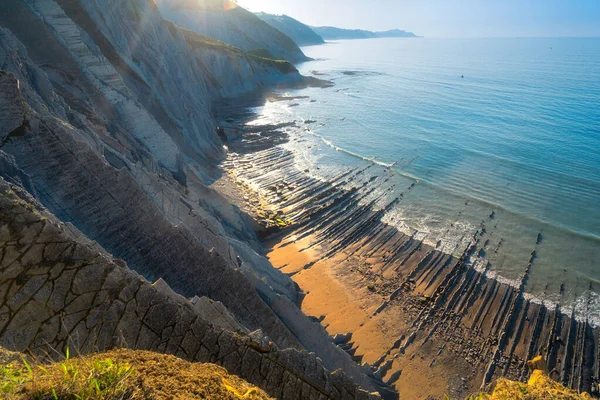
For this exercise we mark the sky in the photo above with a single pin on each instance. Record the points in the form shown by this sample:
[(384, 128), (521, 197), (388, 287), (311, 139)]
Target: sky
[(446, 18)]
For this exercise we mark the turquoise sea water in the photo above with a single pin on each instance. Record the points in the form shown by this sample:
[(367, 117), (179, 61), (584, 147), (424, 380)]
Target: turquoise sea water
[(510, 126)]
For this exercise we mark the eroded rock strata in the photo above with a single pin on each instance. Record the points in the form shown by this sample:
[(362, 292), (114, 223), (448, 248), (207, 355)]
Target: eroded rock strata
[(439, 305), (59, 291)]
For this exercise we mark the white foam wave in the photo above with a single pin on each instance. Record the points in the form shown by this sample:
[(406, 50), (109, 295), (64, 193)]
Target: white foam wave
[(329, 143)]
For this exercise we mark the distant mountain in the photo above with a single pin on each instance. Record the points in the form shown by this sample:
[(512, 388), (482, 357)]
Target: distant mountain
[(300, 33), (233, 25), (332, 33), (398, 33)]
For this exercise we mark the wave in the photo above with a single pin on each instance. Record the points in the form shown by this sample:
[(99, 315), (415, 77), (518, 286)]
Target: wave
[(350, 153), (466, 194)]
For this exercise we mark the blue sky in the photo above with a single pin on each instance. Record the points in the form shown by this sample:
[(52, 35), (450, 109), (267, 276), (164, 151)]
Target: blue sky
[(446, 18)]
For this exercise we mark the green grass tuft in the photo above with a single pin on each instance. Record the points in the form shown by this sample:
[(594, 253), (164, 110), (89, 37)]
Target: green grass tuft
[(13, 376)]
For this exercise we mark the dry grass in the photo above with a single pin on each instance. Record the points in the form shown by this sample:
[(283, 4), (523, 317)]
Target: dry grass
[(122, 375), (539, 387)]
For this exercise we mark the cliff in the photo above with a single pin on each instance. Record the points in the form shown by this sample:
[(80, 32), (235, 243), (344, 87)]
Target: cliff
[(63, 293), (300, 33), (231, 24), (109, 146)]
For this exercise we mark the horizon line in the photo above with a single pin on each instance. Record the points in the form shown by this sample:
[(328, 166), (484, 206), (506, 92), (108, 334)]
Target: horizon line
[(481, 37)]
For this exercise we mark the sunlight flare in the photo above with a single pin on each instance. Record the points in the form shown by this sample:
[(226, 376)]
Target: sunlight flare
[(229, 5)]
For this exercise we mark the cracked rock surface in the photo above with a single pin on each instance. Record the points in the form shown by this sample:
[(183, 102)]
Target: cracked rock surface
[(57, 292)]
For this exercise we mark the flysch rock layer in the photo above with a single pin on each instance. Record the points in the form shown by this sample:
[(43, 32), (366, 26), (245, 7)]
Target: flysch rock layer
[(112, 209), (78, 77), (449, 311), (58, 292)]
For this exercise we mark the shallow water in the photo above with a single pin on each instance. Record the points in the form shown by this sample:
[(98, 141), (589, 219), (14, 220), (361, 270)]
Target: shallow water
[(480, 126)]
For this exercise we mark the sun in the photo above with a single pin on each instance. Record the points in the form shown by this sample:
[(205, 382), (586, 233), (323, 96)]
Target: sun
[(229, 4), (253, 5)]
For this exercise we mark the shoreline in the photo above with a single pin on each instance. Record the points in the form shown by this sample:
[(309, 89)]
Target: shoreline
[(411, 308)]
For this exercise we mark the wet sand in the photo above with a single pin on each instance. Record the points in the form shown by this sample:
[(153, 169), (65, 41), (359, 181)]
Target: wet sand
[(344, 303)]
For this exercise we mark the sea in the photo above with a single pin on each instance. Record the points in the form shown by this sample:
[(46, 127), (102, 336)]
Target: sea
[(501, 130)]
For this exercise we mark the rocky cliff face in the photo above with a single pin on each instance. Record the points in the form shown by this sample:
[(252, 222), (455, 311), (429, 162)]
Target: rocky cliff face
[(300, 33), (232, 25), (59, 291), (106, 118)]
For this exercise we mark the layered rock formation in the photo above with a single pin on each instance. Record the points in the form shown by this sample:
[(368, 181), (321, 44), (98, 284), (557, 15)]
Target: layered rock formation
[(231, 24), (59, 291), (106, 118), (300, 33), (444, 313)]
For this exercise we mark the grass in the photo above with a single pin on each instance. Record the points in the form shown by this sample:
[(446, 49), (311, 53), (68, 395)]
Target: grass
[(261, 53), (121, 375), (539, 387), (12, 377), (71, 379)]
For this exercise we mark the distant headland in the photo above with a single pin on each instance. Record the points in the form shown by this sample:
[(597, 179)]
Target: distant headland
[(332, 33)]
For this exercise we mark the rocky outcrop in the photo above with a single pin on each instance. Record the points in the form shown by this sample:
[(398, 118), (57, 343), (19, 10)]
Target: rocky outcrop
[(59, 292), (231, 24), (300, 33)]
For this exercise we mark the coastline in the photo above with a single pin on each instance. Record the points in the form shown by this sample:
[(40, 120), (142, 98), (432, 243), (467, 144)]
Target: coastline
[(419, 317)]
